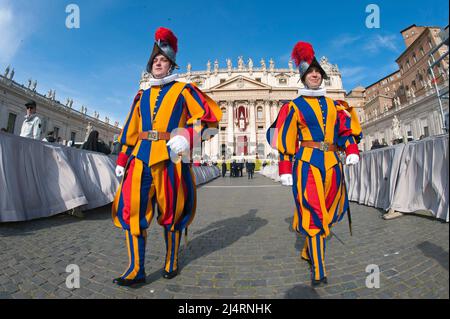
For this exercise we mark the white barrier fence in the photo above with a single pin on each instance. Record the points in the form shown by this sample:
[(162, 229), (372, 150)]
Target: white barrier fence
[(406, 177), (270, 171), (39, 179)]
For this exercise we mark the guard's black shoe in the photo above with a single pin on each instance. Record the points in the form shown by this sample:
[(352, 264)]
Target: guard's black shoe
[(170, 275), (128, 282), (316, 283)]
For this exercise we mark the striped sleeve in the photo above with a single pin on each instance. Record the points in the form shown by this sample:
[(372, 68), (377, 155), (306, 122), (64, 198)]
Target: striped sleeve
[(283, 136), (202, 111), (350, 132), (129, 136)]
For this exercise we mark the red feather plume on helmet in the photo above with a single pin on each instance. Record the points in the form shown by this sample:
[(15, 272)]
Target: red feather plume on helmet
[(303, 51), (166, 35)]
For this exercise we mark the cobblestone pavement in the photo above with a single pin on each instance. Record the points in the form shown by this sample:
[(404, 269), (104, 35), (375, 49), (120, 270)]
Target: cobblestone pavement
[(240, 246)]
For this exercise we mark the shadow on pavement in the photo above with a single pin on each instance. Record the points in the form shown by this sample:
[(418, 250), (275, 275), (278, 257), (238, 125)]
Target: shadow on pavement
[(299, 239), (29, 227), (301, 292), (436, 252), (216, 236)]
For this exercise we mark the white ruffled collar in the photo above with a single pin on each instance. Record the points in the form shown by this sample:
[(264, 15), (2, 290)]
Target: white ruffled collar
[(309, 92), (170, 78)]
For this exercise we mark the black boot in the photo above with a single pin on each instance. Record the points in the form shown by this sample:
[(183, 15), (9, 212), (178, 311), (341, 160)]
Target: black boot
[(170, 275), (316, 283), (128, 282)]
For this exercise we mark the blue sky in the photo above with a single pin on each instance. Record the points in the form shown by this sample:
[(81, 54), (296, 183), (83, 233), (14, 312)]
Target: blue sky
[(99, 64)]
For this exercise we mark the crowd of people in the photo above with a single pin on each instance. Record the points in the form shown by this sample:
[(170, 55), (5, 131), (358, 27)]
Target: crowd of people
[(237, 168)]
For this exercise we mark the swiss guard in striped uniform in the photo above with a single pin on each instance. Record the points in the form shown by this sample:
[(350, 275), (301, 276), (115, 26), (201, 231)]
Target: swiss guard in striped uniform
[(156, 181), (312, 167)]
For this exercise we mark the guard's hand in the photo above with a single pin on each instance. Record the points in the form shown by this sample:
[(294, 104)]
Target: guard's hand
[(178, 144), (286, 179), (352, 159), (120, 170)]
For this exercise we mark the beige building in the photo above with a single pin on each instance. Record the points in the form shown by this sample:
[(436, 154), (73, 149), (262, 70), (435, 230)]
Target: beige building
[(250, 98), (416, 77), (380, 95), (404, 103), (65, 121), (356, 98)]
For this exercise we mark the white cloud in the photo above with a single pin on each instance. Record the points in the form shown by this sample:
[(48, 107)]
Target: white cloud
[(352, 71), (379, 42), (344, 40)]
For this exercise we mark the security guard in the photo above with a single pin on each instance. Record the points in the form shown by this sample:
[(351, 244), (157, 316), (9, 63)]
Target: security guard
[(31, 127)]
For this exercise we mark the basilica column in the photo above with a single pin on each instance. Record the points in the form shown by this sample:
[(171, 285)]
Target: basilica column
[(230, 128), (252, 127), (267, 147), (215, 146), (207, 149)]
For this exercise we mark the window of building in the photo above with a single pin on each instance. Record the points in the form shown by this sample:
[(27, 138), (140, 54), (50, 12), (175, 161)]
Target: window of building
[(260, 127), (414, 58), (199, 82), (420, 77), (258, 79), (426, 132), (282, 81), (223, 128), (72, 136), (407, 64), (56, 132), (224, 112), (11, 123), (222, 81), (223, 149), (422, 51), (259, 113), (261, 150)]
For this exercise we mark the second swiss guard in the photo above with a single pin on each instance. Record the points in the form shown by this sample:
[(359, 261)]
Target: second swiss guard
[(308, 133), (155, 179)]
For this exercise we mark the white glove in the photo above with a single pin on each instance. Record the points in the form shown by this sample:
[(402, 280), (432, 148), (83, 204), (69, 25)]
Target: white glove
[(286, 179), (178, 144), (120, 170), (352, 159)]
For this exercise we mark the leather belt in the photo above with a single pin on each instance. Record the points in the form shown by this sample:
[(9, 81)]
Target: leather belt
[(323, 146), (154, 136)]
